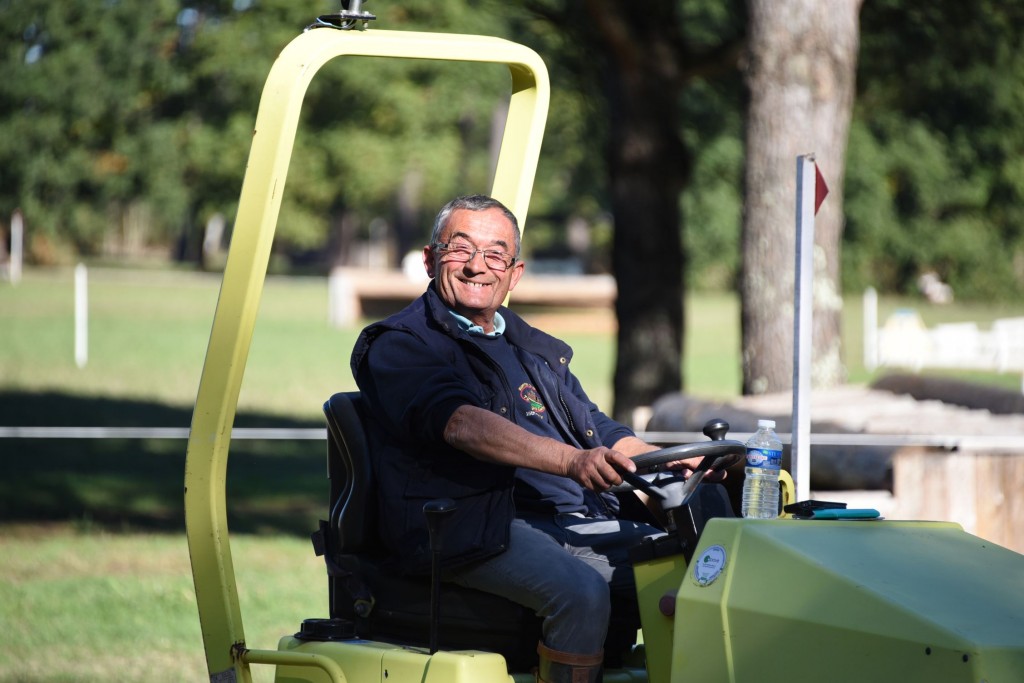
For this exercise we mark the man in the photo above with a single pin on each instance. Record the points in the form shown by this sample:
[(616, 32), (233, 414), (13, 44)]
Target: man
[(472, 403)]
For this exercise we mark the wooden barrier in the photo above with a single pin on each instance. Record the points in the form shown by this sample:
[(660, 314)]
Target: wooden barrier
[(356, 293), (982, 491)]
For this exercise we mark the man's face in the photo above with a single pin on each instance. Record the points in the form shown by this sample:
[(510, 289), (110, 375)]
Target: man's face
[(472, 288)]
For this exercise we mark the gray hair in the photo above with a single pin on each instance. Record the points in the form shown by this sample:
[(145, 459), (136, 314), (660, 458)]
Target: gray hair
[(475, 202)]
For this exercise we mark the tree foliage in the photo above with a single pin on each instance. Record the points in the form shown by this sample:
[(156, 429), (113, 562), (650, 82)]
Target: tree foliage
[(935, 178), (126, 121), (140, 107), (82, 131)]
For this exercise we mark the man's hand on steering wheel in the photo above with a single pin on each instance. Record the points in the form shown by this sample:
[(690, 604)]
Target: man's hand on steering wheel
[(710, 457), (650, 457), (597, 469)]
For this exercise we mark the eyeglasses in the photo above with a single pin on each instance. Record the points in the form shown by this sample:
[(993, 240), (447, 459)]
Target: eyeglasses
[(462, 253)]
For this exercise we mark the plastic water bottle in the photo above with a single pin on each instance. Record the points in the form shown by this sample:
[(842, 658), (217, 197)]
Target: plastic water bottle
[(764, 460)]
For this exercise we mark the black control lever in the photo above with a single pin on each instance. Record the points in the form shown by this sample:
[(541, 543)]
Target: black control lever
[(436, 512), (641, 484)]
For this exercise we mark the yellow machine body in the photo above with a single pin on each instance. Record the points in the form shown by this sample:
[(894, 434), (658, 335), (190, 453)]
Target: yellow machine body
[(848, 601), (245, 272)]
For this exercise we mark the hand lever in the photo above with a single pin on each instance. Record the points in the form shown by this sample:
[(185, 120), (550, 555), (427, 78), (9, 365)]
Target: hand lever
[(638, 482), (436, 511)]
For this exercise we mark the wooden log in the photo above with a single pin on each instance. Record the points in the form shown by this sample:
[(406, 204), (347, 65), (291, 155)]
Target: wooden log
[(996, 400)]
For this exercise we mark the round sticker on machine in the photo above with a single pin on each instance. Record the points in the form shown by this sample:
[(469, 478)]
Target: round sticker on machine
[(708, 565)]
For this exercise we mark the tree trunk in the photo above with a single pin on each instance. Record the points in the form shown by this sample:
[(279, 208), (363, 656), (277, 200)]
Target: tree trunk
[(408, 206), (647, 168), (801, 70)]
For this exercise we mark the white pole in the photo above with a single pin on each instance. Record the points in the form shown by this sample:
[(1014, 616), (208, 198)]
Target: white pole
[(81, 315), (17, 246), (870, 328), (802, 322)]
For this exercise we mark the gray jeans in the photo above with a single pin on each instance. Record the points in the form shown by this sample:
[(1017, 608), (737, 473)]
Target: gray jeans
[(572, 571)]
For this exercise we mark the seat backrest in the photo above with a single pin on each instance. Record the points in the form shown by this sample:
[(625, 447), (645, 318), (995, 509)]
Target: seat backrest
[(353, 518)]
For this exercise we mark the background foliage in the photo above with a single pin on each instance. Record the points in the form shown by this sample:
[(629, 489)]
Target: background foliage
[(125, 126), (935, 175)]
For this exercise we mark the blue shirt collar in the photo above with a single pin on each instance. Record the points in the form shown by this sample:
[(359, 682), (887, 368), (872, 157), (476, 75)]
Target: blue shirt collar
[(468, 326)]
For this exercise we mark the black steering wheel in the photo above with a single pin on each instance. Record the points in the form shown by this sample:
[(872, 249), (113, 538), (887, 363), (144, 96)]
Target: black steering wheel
[(719, 454)]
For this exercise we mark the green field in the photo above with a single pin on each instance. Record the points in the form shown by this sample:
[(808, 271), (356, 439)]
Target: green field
[(101, 607), (94, 576), (148, 333)]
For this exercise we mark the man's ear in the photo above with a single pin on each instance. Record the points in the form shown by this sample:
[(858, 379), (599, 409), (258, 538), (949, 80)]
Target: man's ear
[(517, 272), (428, 261)]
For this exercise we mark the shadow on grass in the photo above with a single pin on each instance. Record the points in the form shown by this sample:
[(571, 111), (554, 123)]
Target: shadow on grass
[(138, 484)]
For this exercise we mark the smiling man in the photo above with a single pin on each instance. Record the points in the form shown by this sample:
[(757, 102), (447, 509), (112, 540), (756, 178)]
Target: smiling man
[(474, 287), (467, 401)]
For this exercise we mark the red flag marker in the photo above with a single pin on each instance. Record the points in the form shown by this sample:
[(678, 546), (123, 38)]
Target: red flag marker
[(820, 189)]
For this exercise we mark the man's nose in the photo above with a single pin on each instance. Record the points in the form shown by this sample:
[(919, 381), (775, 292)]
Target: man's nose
[(471, 263)]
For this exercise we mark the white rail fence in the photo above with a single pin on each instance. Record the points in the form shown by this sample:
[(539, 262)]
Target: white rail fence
[(905, 342)]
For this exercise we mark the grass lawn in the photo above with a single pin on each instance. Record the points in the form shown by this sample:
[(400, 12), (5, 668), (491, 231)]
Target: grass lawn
[(94, 575), (103, 607), (148, 333)]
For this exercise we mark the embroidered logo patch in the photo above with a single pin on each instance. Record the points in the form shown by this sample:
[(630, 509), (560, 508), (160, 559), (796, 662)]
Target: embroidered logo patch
[(529, 393)]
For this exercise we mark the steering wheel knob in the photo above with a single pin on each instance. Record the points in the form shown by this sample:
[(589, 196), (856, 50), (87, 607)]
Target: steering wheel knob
[(716, 429)]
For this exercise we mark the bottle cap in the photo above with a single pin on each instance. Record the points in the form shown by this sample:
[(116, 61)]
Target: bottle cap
[(768, 424)]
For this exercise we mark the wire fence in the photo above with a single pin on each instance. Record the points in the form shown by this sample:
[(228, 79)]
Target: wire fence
[(241, 433), (950, 442)]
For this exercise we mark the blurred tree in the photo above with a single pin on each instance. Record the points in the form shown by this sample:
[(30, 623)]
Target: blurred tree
[(368, 139), (81, 137), (128, 124), (640, 59), (137, 117), (936, 177), (801, 66)]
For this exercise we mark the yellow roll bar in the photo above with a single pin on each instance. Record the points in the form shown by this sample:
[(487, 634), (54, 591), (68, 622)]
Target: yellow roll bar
[(245, 272)]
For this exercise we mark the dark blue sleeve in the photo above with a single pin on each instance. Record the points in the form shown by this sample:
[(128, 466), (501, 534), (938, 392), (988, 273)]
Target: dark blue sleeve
[(610, 430), (412, 388)]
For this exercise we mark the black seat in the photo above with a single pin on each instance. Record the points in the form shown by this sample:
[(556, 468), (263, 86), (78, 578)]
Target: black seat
[(383, 605)]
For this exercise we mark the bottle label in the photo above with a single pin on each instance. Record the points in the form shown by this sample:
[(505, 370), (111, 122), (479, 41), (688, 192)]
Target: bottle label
[(764, 458)]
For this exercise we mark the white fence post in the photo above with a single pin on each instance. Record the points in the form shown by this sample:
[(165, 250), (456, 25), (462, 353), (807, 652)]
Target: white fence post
[(17, 247), (870, 317), (81, 315)]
